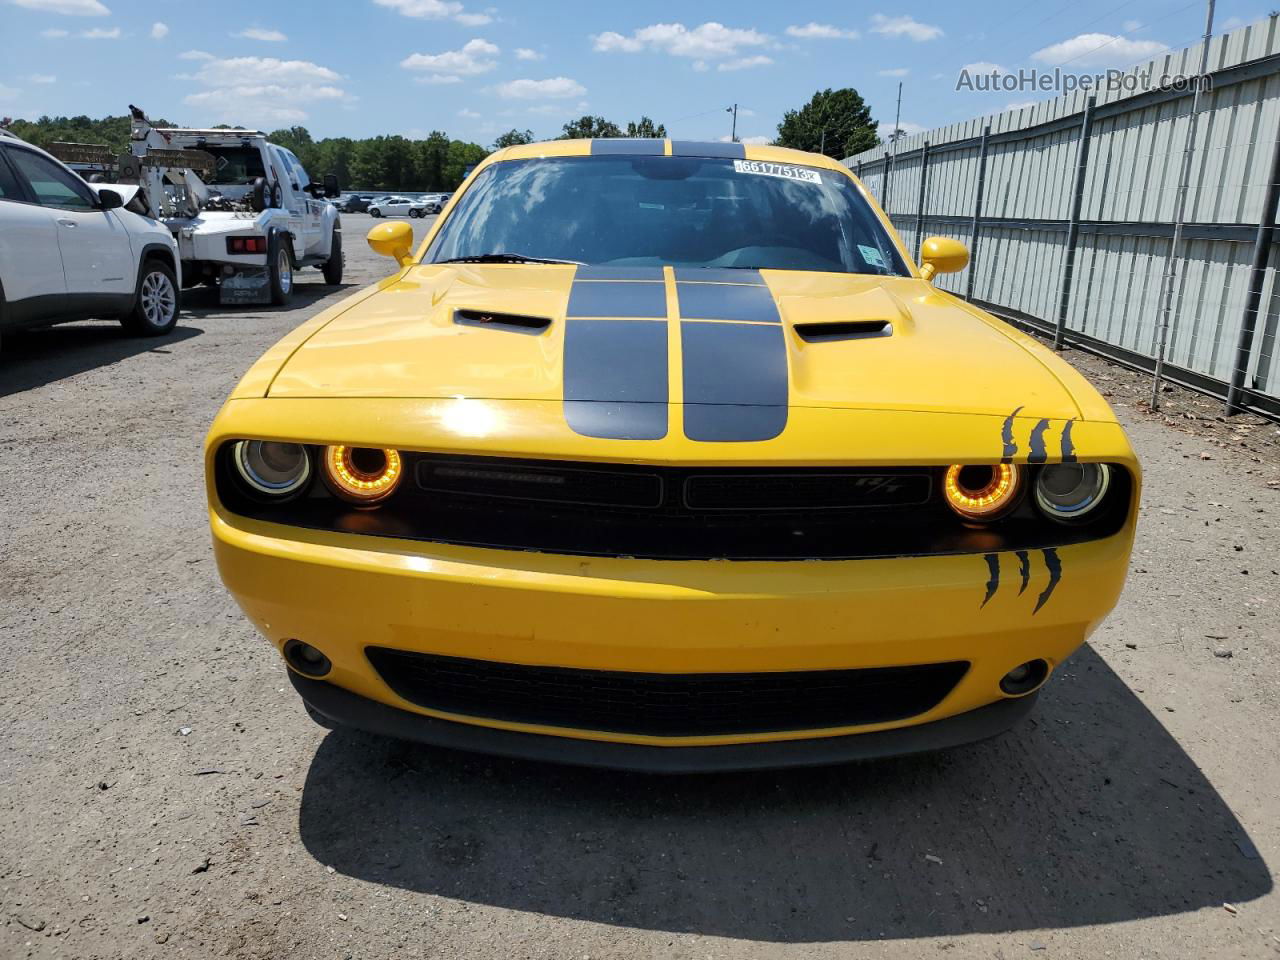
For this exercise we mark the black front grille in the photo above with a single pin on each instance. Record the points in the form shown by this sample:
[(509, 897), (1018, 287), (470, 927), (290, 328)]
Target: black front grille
[(674, 512), (660, 704)]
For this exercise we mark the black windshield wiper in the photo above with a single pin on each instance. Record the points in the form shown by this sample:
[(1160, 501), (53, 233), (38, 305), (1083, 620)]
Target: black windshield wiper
[(504, 258)]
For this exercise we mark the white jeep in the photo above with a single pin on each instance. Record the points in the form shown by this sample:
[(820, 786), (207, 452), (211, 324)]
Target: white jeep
[(244, 211)]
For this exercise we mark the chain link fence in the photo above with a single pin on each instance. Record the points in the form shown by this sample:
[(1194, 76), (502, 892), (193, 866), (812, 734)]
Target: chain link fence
[(1070, 209)]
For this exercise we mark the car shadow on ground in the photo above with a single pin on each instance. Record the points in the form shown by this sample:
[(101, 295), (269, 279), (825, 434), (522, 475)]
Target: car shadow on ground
[(1089, 813), (33, 358), (200, 303)]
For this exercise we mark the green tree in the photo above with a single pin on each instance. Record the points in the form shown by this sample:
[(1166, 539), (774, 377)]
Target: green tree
[(589, 128), (462, 157), (842, 114), (646, 128), (433, 156), (513, 138)]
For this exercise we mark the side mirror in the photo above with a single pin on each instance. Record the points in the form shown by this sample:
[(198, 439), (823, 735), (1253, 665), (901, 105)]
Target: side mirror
[(393, 240), (942, 255), (331, 185), (109, 200)]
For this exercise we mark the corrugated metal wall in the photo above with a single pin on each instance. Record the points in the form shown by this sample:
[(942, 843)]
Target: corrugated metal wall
[(1129, 201)]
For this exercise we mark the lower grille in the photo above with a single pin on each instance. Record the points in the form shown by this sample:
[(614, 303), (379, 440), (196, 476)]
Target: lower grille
[(659, 704)]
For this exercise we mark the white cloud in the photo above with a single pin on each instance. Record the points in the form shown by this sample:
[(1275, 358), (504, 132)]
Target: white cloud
[(8, 93), (101, 33), (1020, 104), (475, 58), (53, 33), (159, 30), (524, 53), (886, 128), (553, 88), (263, 90), (745, 63), (467, 114), (42, 78), (436, 10), (195, 55), (258, 33), (821, 31), (72, 8), (437, 78), (904, 26), (711, 40), (895, 72), (750, 141), (984, 67), (1099, 50), (1131, 25)]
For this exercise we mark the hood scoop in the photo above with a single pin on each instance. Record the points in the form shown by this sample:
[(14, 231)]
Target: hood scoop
[(828, 330), (511, 322)]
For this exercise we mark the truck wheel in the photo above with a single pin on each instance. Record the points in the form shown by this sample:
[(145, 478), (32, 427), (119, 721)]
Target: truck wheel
[(332, 268), (155, 307), (279, 270)]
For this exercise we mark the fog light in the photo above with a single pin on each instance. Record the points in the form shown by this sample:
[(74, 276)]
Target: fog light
[(305, 658), (983, 491), (1025, 678), (1070, 491), (362, 475), (272, 469)]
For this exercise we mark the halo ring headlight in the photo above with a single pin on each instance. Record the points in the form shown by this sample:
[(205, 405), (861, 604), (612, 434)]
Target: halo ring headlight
[(272, 469), (362, 475), (982, 492), (1071, 491)]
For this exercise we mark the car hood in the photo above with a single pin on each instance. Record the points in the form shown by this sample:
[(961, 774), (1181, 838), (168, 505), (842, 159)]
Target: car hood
[(773, 337)]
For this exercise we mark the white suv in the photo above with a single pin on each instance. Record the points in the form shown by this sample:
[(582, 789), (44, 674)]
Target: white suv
[(71, 250)]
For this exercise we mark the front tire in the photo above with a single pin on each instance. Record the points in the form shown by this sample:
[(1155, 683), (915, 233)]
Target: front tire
[(332, 268), (375, 212), (155, 307), (279, 270)]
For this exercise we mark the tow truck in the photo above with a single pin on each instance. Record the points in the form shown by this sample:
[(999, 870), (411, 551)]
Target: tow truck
[(245, 213)]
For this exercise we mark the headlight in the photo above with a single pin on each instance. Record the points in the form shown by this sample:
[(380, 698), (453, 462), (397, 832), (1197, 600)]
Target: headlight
[(272, 469), (363, 475), (982, 492), (1070, 491)]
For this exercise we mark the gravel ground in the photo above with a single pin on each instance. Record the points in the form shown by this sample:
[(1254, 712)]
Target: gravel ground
[(164, 795)]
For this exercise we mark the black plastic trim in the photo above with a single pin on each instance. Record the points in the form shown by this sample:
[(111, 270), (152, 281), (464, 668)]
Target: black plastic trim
[(349, 709)]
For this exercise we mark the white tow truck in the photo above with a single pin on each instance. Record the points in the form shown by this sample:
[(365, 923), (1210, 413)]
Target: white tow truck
[(244, 212)]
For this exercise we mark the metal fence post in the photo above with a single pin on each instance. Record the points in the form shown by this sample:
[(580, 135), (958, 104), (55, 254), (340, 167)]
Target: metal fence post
[(977, 211), (858, 173), (1073, 226), (1257, 275), (884, 183), (924, 182)]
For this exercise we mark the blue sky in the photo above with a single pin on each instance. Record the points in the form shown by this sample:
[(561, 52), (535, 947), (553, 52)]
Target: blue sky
[(364, 67)]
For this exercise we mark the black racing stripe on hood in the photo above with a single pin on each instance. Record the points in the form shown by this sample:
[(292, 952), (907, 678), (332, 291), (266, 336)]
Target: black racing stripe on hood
[(604, 298), (721, 301), (695, 148), (615, 378), (735, 381), (716, 275), (589, 272), (627, 145)]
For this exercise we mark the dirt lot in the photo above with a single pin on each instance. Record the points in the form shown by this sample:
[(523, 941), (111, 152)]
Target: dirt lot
[(164, 795)]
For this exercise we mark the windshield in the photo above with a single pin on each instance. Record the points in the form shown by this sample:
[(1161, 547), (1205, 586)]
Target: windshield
[(236, 166), (682, 211)]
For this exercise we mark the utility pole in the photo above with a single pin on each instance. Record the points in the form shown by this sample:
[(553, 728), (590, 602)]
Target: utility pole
[(823, 149), (734, 110), (1184, 184)]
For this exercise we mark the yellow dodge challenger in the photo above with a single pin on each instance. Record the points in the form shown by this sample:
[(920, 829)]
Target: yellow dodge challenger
[(665, 455)]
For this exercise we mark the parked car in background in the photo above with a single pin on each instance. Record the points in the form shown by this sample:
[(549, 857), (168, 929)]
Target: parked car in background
[(429, 205), (355, 204), (70, 250), (390, 207)]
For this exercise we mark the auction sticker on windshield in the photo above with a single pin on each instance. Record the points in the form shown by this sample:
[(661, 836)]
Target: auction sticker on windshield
[(783, 170)]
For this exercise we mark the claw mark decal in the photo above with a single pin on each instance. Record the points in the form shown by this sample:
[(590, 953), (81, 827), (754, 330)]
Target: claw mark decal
[(1038, 454), (1010, 445), (993, 582), (1024, 569), (1054, 566), (1068, 448)]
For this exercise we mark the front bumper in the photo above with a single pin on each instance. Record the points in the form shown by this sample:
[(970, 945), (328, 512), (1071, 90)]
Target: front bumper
[(345, 708)]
